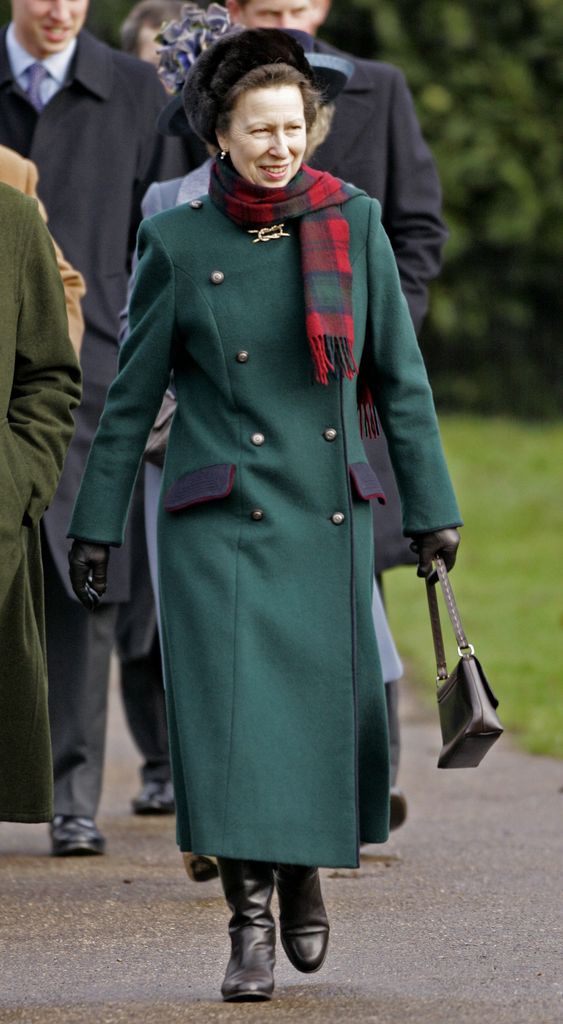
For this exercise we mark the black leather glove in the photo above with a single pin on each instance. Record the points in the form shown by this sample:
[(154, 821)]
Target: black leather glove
[(88, 571), (441, 543)]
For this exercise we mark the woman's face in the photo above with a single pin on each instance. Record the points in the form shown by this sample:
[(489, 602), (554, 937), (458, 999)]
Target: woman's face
[(267, 135)]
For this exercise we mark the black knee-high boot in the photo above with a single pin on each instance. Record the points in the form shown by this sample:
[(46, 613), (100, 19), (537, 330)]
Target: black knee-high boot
[(304, 923), (248, 886)]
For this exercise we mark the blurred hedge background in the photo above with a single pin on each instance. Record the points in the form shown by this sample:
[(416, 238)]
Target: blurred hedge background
[(487, 80)]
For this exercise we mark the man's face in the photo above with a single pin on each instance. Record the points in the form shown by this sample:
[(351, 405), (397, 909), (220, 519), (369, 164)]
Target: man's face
[(305, 15), (44, 27)]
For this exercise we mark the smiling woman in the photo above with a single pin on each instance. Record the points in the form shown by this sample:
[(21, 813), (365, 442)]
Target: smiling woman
[(275, 300), (45, 27), (263, 126)]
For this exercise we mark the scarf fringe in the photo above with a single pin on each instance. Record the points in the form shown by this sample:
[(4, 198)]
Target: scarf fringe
[(332, 356), (369, 423)]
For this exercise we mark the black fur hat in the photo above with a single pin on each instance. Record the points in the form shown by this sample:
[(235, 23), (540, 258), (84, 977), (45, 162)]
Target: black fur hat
[(225, 62)]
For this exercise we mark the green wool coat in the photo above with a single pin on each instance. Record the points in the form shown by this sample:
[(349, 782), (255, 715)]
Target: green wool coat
[(39, 386), (275, 699)]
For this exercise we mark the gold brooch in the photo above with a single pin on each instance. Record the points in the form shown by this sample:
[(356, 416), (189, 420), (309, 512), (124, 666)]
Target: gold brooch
[(269, 234)]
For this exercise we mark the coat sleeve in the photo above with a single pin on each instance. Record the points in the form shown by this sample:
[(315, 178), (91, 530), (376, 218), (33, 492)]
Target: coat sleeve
[(46, 375), (399, 385), (145, 362), (413, 202)]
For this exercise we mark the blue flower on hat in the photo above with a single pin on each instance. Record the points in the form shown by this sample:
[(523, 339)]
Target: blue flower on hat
[(181, 42)]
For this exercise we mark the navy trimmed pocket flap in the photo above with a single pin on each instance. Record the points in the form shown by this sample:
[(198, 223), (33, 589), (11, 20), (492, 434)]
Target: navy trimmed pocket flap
[(366, 483), (207, 484)]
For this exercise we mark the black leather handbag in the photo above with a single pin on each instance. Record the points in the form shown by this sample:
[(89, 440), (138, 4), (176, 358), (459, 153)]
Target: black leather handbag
[(466, 702)]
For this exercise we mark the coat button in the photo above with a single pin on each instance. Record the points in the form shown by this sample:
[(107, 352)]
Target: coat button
[(330, 434), (217, 277), (257, 514), (242, 357), (196, 204), (338, 518), (258, 439)]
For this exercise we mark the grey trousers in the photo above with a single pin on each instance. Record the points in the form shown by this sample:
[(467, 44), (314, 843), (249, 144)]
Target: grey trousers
[(142, 690), (79, 645), (392, 698)]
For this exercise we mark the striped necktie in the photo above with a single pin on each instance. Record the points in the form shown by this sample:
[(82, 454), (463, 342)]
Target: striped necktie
[(36, 76)]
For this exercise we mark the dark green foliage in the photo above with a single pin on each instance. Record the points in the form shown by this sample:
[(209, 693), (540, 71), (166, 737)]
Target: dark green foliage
[(487, 78)]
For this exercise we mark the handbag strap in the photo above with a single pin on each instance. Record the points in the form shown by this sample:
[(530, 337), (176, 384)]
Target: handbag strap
[(441, 668), (462, 643)]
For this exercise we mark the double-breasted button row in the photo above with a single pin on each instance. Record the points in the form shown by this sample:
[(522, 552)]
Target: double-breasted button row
[(217, 277), (257, 514), (338, 518), (330, 434), (196, 204), (257, 439), (242, 356)]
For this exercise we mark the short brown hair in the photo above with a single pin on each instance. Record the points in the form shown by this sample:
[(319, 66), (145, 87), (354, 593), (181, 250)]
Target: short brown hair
[(147, 12), (269, 76)]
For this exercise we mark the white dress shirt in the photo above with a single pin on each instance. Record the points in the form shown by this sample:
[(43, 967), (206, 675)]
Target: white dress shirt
[(57, 65)]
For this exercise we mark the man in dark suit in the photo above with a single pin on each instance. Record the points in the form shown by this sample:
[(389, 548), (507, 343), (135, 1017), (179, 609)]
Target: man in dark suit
[(85, 114), (376, 143)]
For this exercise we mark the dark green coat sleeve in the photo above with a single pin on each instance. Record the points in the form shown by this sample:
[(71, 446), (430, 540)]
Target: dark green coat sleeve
[(403, 395), (46, 384), (101, 508)]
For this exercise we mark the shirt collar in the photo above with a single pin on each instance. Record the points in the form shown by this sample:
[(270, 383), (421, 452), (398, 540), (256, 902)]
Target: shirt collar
[(57, 65)]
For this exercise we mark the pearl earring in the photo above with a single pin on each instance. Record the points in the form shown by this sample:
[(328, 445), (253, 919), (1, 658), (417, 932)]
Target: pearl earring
[(222, 154)]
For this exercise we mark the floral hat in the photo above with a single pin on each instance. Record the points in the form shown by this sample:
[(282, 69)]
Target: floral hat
[(180, 44)]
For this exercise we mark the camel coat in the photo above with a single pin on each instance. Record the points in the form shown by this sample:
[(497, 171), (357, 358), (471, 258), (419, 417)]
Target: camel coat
[(275, 698), (22, 174), (39, 387)]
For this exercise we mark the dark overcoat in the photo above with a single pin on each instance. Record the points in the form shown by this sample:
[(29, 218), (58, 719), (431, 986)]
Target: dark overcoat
[(97, 150), (39, 386), (275, 698), (376, 143)]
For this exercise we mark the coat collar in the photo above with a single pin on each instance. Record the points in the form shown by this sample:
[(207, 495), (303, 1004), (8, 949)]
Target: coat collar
[(360, 80), (92, 66)]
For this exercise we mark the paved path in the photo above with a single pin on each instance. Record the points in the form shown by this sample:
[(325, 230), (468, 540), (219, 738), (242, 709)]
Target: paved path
[(457, 920)]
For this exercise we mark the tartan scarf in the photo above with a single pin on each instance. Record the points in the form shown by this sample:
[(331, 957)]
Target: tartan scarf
[(324, 236)]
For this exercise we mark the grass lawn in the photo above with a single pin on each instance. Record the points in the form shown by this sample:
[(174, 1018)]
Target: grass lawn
[(508, 580)]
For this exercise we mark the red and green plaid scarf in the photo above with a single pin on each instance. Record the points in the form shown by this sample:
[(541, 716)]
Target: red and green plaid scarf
[(324, 234)]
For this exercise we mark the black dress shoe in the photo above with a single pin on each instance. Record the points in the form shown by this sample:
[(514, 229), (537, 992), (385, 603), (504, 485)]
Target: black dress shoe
[(397, 808), (200, 868), (155, 798), (75, 837), (304, 926)]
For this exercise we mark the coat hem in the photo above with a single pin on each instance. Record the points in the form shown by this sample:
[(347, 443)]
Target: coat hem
[(35, 818)]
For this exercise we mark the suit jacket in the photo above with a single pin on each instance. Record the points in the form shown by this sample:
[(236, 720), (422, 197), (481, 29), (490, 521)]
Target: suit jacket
[(22, 174), (97, 150), (376, 143)]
